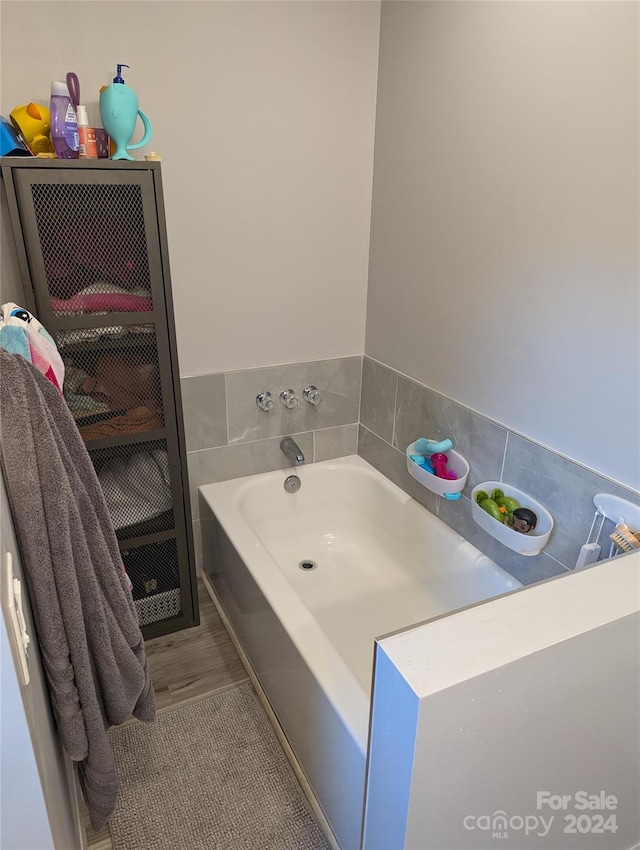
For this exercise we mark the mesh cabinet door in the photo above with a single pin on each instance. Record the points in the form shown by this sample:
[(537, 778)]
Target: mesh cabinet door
[(92, 243), (113, 380)]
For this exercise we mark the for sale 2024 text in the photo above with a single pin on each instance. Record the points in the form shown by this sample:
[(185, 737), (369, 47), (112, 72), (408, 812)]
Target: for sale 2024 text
[(593, 811)]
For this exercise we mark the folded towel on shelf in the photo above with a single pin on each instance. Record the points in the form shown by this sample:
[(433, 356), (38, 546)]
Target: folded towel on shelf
[(21, 333), (89, 245), (72, 338), (104, 297), (137, 488), (92, 648), (137, 420), (80, 404)]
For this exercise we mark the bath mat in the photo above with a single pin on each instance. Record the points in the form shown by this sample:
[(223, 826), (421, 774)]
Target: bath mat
[(209, 776)]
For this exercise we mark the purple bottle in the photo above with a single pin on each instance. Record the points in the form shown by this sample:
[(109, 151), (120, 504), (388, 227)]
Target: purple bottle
[(64, 126)]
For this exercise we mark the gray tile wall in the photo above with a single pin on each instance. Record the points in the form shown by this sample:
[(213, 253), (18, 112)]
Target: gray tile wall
[(396, 410), (227, 435), (373, 410)]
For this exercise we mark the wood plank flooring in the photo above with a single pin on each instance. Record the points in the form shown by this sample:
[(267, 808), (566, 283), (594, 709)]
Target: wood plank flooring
[(187, 666)]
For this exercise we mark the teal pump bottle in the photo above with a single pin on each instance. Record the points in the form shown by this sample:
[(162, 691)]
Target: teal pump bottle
[(119, 113)]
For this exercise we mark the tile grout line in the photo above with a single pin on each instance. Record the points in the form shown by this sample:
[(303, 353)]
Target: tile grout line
[(377, 436), (360, 393), (504, 456), (226, 407), (395, 412)]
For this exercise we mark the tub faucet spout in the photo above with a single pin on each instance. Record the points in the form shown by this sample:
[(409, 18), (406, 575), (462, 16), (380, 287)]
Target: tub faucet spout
[(292, 450)]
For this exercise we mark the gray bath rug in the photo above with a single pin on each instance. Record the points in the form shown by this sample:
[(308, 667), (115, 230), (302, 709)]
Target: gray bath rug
[(209, 776)]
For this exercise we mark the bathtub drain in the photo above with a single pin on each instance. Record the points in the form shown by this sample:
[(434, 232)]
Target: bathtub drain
[(307, 565)]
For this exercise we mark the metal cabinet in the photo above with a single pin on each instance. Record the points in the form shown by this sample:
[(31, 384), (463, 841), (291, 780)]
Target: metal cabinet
[(92, 248)]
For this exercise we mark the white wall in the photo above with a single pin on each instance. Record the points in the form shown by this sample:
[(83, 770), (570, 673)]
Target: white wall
[(263, 113), (504, 247), (523, 694), (38, 803), (24, 824)]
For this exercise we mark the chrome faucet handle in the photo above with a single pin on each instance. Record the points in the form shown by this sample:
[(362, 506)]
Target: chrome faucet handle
[(312, 394), (289, 398), (265, 400)]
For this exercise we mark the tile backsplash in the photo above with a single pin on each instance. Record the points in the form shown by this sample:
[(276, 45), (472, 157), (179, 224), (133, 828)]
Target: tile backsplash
[(396, 410), (228, 436), (373, 410)]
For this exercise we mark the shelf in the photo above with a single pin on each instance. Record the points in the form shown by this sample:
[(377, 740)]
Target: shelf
[(126, 439), (440, 486), (79, 164), (526, 544), (126, 543), (62, 322), (157, 525), (110, 343)]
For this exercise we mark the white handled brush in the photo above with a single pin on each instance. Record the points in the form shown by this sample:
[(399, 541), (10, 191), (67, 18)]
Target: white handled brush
[(590, 552)]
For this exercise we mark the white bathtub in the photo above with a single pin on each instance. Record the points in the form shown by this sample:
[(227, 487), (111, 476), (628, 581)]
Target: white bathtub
[(383, 563)]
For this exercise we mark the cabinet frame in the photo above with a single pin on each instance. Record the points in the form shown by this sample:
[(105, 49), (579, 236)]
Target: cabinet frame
[(17, 175)]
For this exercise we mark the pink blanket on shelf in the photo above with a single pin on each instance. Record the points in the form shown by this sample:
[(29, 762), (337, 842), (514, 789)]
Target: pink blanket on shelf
[(89, 245), (113, 302)]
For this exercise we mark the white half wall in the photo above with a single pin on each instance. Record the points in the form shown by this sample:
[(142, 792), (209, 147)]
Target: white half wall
[(513, 702), (504, 246), (263, 113)]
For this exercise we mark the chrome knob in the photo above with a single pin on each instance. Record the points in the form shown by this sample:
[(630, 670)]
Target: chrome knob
[(265, 401), (312, 394), (289, 398)]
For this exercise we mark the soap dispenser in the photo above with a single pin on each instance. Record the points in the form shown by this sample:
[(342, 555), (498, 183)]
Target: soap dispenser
[(119, 112)]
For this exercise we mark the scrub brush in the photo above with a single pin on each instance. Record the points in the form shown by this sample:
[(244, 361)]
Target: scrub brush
[(624, 539)]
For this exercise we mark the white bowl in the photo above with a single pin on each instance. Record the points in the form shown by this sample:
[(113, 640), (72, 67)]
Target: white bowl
[(441, 486), (525, 544)]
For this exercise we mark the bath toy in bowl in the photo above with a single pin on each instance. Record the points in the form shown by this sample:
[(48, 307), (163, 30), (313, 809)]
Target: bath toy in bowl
[(524, 520), (439, 462), (429, 447)]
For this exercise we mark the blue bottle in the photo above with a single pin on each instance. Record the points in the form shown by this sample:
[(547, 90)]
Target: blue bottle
[(64, 126), (119, 113)]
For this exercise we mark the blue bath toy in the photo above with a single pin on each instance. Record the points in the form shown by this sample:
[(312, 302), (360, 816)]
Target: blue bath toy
[(423, 463), (430, 447)]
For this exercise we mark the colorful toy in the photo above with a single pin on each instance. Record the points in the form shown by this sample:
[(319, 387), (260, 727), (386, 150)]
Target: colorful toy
[(119, 113), (21, 333), (429, 447), (524, 520), (11, 141), (423, 463), (439, 462), (32, 121), (507, 510)]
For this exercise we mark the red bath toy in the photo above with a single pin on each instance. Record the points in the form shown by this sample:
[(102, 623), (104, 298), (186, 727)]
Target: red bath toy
[(439, 462)]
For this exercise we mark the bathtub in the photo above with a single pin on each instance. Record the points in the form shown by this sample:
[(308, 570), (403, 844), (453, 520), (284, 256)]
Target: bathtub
[(380, 562)]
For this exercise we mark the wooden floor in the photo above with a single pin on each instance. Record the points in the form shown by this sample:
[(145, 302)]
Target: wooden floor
[(187, 666)]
